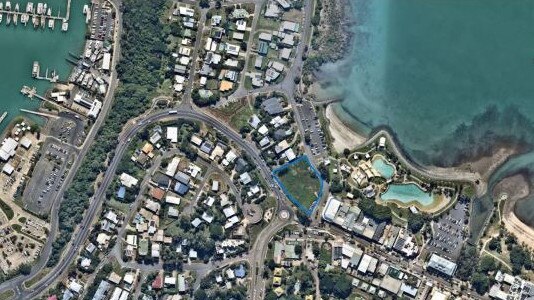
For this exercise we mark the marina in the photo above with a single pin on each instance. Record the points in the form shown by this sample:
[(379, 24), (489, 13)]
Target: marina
[(41, 15), (36, 73)]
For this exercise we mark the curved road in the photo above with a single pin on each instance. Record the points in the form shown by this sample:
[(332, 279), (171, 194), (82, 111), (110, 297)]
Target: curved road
[(16, 284), (95, 203)]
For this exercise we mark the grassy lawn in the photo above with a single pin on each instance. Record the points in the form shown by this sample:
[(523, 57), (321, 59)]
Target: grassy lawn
[(120, 206), (241, 117), (36, 278), (8, 211), (268, 24), (9, 294), (254, 231), (166, 88), (212, 84), (248, 83), (325, 254), (269, 202), (301, 182)]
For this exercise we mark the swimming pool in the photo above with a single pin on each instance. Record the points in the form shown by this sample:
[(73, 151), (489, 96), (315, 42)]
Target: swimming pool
[(384, 168), (407, 193)]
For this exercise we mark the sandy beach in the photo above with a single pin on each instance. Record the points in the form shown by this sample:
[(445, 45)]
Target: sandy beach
[(515, 187), (342, 135)]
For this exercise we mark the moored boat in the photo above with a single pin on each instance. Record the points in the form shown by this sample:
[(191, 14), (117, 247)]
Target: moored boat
[(3, 116)]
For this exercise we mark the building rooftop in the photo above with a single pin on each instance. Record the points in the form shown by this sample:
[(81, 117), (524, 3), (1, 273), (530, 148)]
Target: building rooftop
[(442, 265)]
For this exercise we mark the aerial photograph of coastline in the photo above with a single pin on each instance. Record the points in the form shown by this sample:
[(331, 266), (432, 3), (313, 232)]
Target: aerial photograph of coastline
[(267, 149)]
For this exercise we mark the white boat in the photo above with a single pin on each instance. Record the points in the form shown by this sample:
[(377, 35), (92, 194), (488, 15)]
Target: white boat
[(39, 8), (8, 5), (1, 5), (8, 19), (3, 116), (29, 7), (64, 26), (17, 7), (24, 18), (85, 9), (51, 23), (49, 12), (15, 19), (0, 18)]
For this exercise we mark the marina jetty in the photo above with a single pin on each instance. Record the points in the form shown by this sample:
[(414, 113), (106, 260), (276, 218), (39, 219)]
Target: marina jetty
[(40, 15), (36, 73)]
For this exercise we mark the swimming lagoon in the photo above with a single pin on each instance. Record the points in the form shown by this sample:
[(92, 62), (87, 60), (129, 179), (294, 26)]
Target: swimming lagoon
[(383, 167), (406, 194)]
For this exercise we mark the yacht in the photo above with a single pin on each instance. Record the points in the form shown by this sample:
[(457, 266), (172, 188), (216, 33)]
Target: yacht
[(8, 5), (3, 117), (24, 18), (29, 7), (17, 7)]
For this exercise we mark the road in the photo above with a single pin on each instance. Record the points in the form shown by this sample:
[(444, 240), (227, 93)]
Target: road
[(259, 249), (97, 200), (17, 282)]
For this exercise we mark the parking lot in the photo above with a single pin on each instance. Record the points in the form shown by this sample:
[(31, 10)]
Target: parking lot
[(450, 232), (47, 177), (101, 21), (311, 125), (68, 129)]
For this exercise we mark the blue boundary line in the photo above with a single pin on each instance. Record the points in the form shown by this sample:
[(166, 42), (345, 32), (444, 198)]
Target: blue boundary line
[(307, 210)]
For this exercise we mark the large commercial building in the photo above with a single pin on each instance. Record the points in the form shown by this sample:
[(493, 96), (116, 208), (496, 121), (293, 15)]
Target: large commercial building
[(441, 265)]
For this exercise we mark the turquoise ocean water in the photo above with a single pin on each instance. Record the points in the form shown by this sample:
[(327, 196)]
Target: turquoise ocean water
[(453, 79), (20, 46)]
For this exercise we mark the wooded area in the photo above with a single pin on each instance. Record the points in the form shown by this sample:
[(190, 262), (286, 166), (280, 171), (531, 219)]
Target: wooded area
[(140, 71)]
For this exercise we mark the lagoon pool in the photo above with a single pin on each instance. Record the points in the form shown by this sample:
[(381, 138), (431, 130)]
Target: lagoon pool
[(407, 193), (384, 168)]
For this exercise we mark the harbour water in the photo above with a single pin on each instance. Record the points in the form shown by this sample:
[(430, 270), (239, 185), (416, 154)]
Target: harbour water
[(451, 78), (21, 45)]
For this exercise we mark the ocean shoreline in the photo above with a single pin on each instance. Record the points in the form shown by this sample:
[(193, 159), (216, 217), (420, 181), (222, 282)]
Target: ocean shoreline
[(479, 169), (514, 188)]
